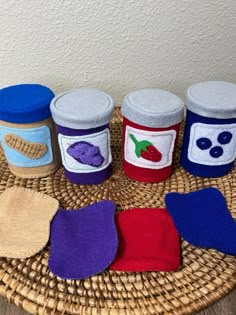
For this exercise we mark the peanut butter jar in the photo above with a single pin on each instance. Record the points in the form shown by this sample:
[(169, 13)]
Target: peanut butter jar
[(27, 131)]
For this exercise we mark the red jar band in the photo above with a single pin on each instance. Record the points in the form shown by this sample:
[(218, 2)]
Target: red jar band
[(148, 152)]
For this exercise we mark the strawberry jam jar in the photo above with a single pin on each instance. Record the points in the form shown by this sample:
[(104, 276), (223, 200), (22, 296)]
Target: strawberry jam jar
[(151, 120), (82, 119)]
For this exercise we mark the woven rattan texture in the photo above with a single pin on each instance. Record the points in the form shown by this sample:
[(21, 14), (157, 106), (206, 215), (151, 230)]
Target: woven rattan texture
[(205, 277)]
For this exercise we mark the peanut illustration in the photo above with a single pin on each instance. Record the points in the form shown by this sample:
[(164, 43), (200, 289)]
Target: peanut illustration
[(29, 149)]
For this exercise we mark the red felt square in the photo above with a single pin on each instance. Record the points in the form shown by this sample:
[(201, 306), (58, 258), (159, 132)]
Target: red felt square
[(148, 241)]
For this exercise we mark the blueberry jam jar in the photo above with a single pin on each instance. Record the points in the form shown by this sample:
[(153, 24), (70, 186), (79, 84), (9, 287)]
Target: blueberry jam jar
[(82, 119), (209, 144)]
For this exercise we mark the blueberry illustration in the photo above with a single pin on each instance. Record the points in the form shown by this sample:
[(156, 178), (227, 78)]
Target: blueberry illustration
[(216, 152), (204, 143), (86, 153), (225, 137)]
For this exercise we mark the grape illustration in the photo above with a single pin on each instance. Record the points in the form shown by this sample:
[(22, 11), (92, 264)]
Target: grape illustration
[(204, 143), (86, 153), (216, 152), (225, 137)]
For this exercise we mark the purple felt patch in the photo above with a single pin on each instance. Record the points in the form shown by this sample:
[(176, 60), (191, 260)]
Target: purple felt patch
[(86, 153), (83, 242)]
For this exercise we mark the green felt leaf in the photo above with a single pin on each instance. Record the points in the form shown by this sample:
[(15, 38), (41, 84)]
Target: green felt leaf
[(140, 145)]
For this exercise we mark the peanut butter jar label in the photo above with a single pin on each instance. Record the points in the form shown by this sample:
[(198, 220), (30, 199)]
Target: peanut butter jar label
[(27, 147)]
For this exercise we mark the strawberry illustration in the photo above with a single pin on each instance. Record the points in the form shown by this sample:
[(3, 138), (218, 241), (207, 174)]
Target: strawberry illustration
[(146, 150)]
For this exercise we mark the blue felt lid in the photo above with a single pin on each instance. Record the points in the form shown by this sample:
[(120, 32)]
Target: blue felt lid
[(25, 103)]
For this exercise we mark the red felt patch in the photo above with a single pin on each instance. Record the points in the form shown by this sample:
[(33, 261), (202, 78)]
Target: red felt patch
[(148, 241)]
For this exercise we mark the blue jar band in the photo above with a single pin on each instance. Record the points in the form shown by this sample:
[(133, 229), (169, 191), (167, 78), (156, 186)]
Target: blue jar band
[(214, 148)]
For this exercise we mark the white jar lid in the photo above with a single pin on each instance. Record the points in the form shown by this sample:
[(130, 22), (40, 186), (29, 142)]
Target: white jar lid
[(82, 108), (215, 99), (153, 108)]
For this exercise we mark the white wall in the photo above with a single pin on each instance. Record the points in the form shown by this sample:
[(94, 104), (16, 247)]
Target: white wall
[(117, 45)]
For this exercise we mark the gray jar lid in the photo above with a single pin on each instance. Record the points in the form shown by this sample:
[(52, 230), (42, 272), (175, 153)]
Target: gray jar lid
[(82, 108), (215, 99), (153, 108)]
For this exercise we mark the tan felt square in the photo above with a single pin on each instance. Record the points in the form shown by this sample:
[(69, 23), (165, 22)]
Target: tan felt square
[(25, 217)]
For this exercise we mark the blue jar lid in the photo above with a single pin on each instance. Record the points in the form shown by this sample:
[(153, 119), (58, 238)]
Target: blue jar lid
[(25, 103)]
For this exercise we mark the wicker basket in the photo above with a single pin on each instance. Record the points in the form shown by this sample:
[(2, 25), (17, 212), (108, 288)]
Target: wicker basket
[(205, 275)]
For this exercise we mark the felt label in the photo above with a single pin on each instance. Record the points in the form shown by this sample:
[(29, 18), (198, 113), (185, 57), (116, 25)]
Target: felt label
[(86, 154), (212, 144), (149, 149), (27, 147)]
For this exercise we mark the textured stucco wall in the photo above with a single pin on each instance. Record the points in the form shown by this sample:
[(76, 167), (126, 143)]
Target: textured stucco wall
[(117, 45)]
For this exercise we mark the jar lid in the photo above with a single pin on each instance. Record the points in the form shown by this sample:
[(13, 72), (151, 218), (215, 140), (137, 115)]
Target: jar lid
[(82, 108), (153, 108), (25, 103), (215, 99)]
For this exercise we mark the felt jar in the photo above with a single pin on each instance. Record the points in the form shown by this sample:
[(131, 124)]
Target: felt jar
[(209, 146), (27, 131), (151, 120), (82, 117)]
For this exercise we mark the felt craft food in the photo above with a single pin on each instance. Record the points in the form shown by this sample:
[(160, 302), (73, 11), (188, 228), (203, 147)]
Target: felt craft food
[(203, 219), (27, 131), (84, 241), (82, 117), (148, 241), (151, 120), (25, 217), (209, 144)]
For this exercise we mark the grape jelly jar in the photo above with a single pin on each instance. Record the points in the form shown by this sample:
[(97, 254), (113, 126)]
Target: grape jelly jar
[(27, 131), (82, 117), (209, 145), (151, 120)]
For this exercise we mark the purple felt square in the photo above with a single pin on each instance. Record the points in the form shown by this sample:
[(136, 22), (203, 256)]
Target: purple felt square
[(83, 242)]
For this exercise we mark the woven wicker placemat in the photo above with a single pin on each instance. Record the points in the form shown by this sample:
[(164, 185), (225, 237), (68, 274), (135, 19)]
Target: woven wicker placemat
[(205, 275)]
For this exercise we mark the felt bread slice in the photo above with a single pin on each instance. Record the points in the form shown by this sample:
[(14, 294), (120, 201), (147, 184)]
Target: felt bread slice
[(25, 217), (83, 241)]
